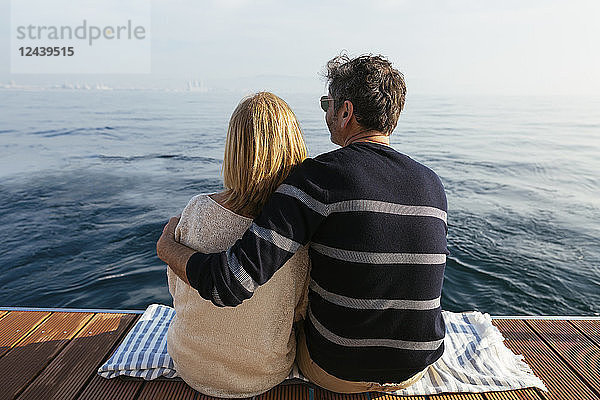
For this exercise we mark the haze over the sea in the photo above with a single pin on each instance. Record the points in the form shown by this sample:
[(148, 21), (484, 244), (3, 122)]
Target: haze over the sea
[(538, 47)]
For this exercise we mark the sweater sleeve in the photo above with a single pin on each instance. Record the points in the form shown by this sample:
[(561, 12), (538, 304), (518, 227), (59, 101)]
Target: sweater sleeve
[(287, 222)]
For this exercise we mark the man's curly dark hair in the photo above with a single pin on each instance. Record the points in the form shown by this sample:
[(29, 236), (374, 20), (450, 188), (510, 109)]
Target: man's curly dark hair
[(377, 90)]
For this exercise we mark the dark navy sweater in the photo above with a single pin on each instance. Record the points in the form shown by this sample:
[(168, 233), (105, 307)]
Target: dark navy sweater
[(376, 221)]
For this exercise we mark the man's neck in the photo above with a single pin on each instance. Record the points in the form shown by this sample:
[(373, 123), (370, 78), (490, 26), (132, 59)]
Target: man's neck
[(367, 135)]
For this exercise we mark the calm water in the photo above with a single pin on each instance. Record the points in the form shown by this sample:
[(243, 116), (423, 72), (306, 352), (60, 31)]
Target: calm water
[(88, 179)]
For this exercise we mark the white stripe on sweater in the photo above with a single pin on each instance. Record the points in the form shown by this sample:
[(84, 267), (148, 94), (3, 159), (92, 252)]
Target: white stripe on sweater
[(378, 258), (373, 304), (361, 205), (372, 342)]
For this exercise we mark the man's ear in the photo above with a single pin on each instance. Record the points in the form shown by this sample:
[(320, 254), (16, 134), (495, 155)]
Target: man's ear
[(347, 113)]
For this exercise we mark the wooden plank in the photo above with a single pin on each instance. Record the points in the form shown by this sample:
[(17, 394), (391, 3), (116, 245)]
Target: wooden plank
[(100, 388), (591, 329), (25, 360), (456, 396), (322, 394), (558, 377), (385, 396), (78, 362), (286, 392), (3, 313), (575, 348), (169, 390), (205, 397), (16, 325), (180, 390), (519, 394)]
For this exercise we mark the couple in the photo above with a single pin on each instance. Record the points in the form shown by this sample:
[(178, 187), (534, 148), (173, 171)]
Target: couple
[(369, 221)]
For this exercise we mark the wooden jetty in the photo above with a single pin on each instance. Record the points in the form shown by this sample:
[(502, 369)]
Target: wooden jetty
[(55, 353)]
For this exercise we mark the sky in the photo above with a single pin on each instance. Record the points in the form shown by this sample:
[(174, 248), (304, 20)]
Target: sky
[(442, 47)]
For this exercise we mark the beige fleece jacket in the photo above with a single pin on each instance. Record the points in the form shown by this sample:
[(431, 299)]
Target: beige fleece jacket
[(241, 351)]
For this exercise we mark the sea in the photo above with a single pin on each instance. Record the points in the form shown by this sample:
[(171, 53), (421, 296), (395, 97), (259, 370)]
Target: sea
[(89, 178)]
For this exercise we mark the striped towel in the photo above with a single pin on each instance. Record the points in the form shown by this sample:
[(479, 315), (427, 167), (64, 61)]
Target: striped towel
[(475, 358), (143, 352)]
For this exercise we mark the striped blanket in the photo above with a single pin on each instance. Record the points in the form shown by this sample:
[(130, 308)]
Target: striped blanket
[(475, 358)]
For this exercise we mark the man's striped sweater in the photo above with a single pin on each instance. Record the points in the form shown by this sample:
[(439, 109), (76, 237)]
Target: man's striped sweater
[(376, 220)]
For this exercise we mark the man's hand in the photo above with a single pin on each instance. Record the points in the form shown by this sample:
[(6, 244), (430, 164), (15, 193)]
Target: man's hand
[(173, 253), (166, 239)]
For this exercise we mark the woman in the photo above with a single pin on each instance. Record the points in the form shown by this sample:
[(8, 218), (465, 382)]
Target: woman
[(246, 350)]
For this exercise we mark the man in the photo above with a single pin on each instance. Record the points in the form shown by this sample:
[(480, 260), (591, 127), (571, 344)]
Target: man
[(376, 221)]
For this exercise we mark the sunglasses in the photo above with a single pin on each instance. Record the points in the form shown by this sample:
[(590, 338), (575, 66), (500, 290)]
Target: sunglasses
[(325, 102)]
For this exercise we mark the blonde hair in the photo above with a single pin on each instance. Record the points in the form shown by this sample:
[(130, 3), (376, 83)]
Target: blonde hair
[(264, 142)]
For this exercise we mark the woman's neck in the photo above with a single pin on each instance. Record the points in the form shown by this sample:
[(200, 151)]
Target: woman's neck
[(222, 197)]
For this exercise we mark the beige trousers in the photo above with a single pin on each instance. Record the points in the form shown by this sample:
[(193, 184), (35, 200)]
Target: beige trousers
[(327, 381)]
